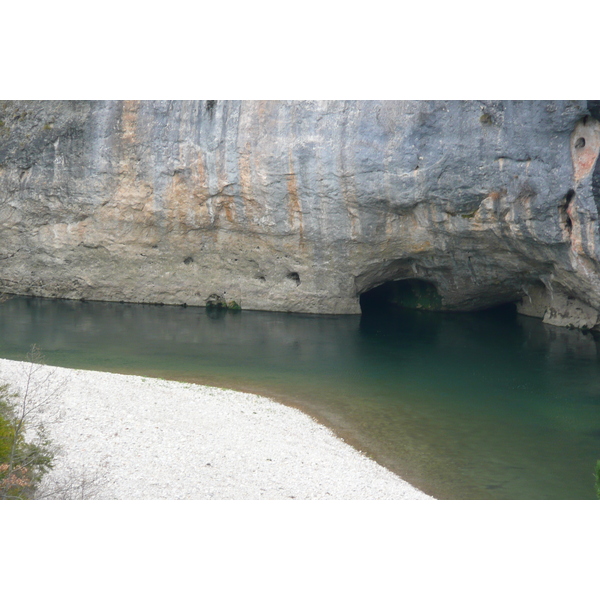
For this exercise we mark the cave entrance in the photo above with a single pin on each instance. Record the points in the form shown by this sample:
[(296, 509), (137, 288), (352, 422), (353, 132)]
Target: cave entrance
[(407, 293)]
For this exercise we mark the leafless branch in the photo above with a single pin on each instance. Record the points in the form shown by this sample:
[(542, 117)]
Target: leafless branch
[(27, 456)]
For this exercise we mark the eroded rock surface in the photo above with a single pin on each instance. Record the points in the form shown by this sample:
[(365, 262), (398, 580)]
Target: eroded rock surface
[(301, 206)]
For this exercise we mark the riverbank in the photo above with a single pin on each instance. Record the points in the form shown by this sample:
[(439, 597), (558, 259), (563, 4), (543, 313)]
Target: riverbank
[(130, 437)]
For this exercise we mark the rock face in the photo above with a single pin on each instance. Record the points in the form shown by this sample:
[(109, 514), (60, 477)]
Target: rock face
[(303, 206)]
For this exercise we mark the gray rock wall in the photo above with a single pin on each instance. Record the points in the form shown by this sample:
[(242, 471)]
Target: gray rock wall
[(299, 206)]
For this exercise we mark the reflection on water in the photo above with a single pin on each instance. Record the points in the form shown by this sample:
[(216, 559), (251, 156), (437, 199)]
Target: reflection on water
[(483, 405)]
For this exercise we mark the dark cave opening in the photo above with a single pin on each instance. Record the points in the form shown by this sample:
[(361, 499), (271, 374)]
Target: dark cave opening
[(407, 293), (394, 296)]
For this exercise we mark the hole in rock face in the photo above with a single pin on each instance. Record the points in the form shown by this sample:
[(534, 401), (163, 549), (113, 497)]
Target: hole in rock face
[(408, 293), (293, 276), (188, 261), (563, 210), (580, 143), (569, 225)]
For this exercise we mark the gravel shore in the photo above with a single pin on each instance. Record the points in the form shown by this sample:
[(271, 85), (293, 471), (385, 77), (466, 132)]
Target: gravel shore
[(136, 438)]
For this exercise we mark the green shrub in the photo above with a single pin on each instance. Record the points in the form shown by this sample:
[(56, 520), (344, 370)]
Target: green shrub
[(22, 464), (23, 459), (597, 474)]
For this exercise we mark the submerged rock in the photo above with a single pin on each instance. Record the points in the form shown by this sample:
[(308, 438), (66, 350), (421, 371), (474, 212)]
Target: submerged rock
[(304, 206)]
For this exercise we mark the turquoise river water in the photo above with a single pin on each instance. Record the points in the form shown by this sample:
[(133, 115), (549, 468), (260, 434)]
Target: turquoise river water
[(481, 405)]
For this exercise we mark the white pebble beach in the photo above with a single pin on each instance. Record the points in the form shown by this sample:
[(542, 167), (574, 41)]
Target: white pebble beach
[(143, 438)]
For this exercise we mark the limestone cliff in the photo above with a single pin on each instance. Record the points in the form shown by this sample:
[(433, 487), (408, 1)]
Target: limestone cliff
[(302, 206)]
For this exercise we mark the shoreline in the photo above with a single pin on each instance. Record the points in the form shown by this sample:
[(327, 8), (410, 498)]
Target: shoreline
[(344, 432), (148, 438)]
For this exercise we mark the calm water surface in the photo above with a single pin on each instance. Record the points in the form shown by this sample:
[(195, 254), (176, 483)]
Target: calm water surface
[(483, 405)]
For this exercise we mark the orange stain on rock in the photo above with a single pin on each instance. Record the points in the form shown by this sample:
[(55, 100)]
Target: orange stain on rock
[(129, 120), (421, 247), (226, 204), (294, 205), (186, 197), (585, 147), (252, 210), (575, 234)]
